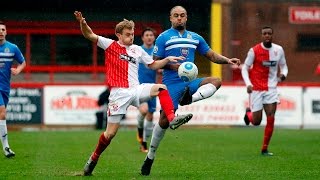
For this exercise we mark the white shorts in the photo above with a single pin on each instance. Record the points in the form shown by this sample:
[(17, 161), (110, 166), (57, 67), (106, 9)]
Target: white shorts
[(259, 98), (121, 98)]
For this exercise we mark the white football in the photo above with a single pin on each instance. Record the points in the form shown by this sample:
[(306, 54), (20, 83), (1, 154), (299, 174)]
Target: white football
[(188, 71)]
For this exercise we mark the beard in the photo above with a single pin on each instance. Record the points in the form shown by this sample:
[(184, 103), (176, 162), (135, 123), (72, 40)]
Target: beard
[(267, 44), (179, 28)]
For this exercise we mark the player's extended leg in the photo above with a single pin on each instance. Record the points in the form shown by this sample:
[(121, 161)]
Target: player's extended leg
[(4, 134), (157, 135), (203, 88), (3, 126), (161, 127), (167, 106), (270, 110), (104, 141)]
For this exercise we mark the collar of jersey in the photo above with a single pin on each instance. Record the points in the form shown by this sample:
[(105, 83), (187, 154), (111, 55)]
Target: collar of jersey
[(185, 32), (123, 45)]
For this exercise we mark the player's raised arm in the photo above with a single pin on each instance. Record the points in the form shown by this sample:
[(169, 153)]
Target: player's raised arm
[(219, 59), (85, 28), (161, 63)]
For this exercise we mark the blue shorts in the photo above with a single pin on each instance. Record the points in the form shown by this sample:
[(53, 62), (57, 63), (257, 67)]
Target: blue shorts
[(176, 89), (146, 75), (4, 98), (152, 104)]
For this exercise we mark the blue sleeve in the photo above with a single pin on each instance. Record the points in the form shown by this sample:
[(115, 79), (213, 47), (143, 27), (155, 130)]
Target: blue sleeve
[(18, 55), (203, 47), (159, 48)]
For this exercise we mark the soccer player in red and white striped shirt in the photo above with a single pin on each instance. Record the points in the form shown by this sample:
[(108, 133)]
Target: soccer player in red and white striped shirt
[(122, 59), (259, 73)]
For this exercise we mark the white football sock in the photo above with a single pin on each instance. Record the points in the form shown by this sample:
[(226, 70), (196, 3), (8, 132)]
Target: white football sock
[(204, 92), (157, 135), (140, 119), (147, 129), (4, 133)]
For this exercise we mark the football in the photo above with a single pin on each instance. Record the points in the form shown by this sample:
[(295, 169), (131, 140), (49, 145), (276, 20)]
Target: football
[(188, 71)]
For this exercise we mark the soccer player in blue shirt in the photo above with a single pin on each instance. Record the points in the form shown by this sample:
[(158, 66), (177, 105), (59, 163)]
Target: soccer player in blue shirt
[(8, 53), (177, 41), (146, 75)]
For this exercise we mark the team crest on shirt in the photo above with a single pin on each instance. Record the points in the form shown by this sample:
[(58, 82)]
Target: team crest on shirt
[(184, 51), (133, 50), (6, 50), (189, 36), (155, 49), (127, 58), (275, 53)]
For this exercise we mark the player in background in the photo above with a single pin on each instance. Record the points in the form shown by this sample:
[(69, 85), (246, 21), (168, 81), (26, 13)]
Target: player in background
[(180, 42), (8, 53), (146, 75), (122, 58), (263, 61)]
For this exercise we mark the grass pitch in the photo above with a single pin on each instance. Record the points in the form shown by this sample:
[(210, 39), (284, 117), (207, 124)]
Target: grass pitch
[(228, 153)]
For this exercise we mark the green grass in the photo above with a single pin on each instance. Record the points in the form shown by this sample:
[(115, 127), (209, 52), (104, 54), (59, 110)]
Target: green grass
[(229, 153)]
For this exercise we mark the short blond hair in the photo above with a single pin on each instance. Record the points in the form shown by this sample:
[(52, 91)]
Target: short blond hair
[(125, 24)]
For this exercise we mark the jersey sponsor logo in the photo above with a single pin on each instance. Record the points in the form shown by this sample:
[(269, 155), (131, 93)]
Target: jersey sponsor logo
[(174, 37), (269, 63), (128, 58), (184, 51)]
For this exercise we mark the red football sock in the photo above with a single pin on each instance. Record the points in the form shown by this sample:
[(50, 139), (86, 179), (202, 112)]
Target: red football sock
[(102, 145), (166, 104), (268, 132)]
